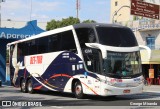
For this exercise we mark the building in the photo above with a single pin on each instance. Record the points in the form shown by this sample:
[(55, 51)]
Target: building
[(8, 35), (153, 1), (147, 32), (19, 24), (120, 11)]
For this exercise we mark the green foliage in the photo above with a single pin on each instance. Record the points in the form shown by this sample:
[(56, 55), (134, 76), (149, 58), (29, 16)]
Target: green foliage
[(53, 24), (89, 21)]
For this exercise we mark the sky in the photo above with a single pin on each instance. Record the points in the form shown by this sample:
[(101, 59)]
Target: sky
[(46, 10)]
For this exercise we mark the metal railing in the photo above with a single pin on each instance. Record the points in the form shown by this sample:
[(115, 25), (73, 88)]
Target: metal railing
[(144, 23)]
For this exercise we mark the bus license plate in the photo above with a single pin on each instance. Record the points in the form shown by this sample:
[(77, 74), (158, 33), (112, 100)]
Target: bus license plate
[(126, 91)]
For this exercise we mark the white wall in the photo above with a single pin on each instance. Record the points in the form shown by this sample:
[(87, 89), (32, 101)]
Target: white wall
[(20, 24)]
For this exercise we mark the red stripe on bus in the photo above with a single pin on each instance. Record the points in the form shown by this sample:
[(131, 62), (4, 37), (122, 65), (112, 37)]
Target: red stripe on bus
[(39, 87), (57, 75), (67, 76), (90, 88)]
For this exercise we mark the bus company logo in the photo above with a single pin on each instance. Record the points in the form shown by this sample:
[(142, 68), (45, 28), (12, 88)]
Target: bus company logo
[(116, 80), (36, 59), (6, 103), (88, 51)]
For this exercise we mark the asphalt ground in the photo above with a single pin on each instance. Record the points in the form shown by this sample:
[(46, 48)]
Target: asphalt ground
[(49, 99)]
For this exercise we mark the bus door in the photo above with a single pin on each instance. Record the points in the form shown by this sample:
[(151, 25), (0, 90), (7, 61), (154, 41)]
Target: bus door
[(93, 58)]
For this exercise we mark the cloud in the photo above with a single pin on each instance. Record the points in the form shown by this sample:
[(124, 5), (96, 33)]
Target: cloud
[(46, 6), (22, 10), (45, 10), (40, 16)]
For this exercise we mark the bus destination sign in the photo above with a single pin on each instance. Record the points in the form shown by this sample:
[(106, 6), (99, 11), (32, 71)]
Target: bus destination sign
[(145, 9)]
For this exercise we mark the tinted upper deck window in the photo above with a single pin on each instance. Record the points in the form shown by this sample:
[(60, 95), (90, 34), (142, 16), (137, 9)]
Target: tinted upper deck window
[(118, 37), (86, 35)]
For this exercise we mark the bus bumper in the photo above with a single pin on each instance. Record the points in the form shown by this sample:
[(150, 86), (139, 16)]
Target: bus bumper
[(111, 90)]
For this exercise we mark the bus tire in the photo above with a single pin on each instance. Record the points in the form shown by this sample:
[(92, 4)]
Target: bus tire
[(78, 90), (23, 86), (30, 86)]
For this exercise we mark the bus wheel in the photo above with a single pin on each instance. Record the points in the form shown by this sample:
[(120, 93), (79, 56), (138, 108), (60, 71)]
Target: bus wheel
[(30, 86), (78, 90), (23, 86)]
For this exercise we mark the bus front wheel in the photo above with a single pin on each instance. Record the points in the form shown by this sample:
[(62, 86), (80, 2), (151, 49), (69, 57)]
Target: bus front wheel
[(30, 86), (23, 86), (78, 90)]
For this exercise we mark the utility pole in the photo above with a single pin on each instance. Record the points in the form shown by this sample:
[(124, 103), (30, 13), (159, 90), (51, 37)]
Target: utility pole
[(0, 11), (30, 10), (77, 7)]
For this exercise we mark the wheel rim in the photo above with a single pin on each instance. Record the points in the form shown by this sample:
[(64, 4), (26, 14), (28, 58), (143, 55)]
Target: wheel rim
[(29, 86), (78, 89), (23, 85)]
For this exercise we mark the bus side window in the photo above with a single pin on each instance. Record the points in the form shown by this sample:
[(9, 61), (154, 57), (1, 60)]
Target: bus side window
[(42, 45), (19, 52), (23, 47), (53, 43), (92, 58), (32, 47), (68, 42), (91, 36)]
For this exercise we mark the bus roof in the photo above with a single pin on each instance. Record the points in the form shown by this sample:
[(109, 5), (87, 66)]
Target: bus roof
[(81, 25), (43, 34)]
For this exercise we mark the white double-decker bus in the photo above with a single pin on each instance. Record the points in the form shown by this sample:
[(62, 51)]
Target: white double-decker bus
[(94, 59)]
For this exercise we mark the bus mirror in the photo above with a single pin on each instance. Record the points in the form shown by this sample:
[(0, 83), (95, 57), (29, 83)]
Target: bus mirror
[(148, 50), (98, 46)]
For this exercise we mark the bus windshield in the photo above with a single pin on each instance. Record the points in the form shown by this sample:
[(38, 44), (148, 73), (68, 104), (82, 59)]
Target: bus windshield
[(122, 64), (114, 36)]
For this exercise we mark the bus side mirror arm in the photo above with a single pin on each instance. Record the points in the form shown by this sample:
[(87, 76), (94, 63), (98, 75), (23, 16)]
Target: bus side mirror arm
[(148, 50), (98, 46)]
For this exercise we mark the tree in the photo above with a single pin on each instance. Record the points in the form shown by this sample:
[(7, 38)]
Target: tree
[(53, 24), (89, 21)]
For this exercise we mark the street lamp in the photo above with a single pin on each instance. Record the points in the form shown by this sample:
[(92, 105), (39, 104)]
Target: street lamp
[(0, 10), (118, 11), (117, 17)]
